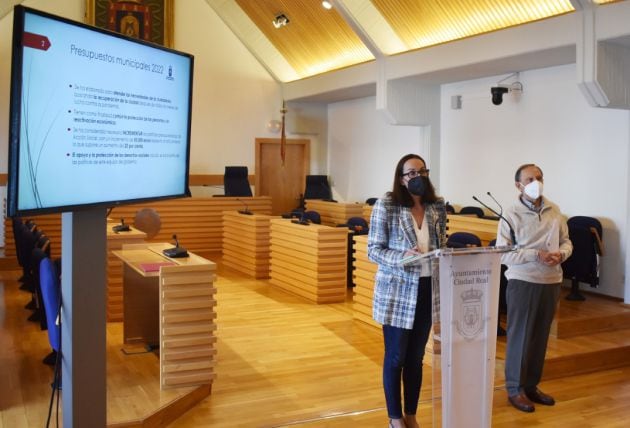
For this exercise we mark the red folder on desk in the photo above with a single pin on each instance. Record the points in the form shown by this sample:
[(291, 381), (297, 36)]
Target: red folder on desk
[(154, 267)]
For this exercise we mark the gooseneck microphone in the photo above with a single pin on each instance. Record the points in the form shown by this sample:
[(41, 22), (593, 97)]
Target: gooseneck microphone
[(176, 251), (500, 215), (246, 210)]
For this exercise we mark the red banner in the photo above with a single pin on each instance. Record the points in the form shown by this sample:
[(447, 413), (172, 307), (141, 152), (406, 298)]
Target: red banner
[(35, 41)]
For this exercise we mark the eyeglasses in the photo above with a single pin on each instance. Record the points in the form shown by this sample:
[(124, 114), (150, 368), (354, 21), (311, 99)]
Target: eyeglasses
[(413, 173)]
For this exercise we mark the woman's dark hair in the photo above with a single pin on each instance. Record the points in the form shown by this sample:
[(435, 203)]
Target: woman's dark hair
[(517, 176), (400, 195)]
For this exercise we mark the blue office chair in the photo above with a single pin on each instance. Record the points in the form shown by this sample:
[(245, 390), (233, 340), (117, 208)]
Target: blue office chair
[(51, 294), (358, 225), (583, 265), (312, 216), (235, 182), (463, 240)]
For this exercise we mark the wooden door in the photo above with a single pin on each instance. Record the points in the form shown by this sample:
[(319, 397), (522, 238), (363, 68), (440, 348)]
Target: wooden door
[(284, 183)]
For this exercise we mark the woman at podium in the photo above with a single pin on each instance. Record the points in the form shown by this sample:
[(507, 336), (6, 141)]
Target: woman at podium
[(406, 222)]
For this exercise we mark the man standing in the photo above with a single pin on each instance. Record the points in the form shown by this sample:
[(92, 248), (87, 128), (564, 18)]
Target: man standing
[(534, 278)]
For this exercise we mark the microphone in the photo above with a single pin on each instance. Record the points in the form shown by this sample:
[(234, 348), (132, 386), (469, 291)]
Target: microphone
[(122, 227), (176, 251), (246, 210), (500, 215)]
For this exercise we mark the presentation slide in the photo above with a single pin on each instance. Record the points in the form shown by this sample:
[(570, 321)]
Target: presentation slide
[(102, 118)]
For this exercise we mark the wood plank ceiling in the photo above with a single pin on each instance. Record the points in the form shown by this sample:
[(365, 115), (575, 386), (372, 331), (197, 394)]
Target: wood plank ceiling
[(317, 40)]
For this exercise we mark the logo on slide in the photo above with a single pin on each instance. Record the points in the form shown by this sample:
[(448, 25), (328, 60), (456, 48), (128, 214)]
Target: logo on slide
[(170, 73)]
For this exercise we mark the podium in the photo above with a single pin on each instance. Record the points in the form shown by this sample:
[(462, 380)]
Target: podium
[(465, 294)]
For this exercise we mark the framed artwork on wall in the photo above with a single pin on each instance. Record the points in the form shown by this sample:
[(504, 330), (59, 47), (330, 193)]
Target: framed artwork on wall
[(150, 20)]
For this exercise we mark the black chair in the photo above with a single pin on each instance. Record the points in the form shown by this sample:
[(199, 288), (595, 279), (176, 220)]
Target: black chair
[(235, 181), (463, 240), (583, 265), (370, 201), (450, 209), (472, 210), (357, 226), (317, 187), (24, 244), (40, 252)]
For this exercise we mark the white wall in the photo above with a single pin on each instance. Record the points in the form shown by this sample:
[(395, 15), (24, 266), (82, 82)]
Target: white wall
[(364, 150), (234, 96), (583, 152)]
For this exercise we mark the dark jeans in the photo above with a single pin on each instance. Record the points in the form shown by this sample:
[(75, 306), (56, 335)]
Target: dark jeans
[(404, 350)]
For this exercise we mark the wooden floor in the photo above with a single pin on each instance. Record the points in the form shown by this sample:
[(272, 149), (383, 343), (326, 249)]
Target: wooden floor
[(283, 361)]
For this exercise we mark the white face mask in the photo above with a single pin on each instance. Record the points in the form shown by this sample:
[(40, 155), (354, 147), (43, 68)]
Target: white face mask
[(534, 189)]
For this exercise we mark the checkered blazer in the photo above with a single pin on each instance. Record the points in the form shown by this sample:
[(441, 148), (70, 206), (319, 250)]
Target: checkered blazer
[(391, 234)]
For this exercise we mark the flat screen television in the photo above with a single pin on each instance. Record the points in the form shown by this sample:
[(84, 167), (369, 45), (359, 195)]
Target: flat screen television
[(96, 118)]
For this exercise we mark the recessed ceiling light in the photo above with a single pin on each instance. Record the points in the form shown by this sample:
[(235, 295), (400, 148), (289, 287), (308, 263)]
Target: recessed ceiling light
[(327, 5)]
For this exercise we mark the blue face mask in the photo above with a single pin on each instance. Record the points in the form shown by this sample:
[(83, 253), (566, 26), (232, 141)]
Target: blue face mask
[(418, 185)]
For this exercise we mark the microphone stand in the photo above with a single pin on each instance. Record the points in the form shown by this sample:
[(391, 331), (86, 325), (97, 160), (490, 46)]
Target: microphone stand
[(500, 215), (246, 210)]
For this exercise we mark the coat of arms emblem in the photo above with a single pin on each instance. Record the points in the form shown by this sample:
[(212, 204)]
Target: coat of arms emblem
[(470, 321)]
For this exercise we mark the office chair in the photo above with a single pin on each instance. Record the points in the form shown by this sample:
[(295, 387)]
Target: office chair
[(235, 181), (312, 216), (357, 226), (449, 208), (463, 240), (583, 265), (41, 251), (317, 187), (51, 293), (371, 201), (24, 244), (295, 213), (472, 210)]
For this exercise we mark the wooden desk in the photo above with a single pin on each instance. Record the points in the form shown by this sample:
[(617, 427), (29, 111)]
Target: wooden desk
[(363, 275), (309, 261), (115, 241), (246, 243), (197, 221), (334, 213), (174, 307), (485, 229)]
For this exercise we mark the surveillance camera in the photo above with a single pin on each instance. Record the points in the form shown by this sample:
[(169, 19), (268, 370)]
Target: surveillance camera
[(497, 94)]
